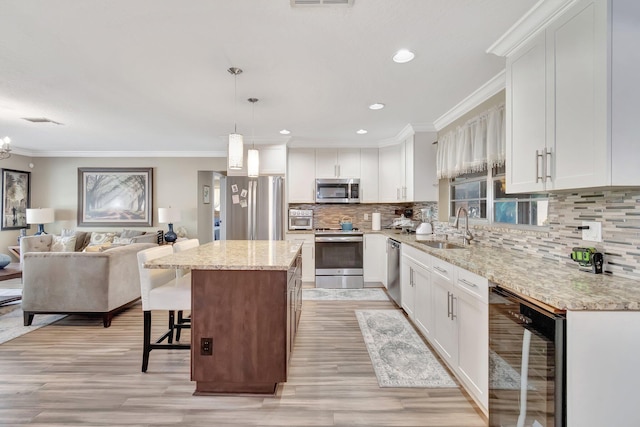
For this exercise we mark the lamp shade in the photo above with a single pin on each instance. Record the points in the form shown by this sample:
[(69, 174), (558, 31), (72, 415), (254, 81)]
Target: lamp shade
[(235, 151), (40, 216), (168, 215), (253, 163)]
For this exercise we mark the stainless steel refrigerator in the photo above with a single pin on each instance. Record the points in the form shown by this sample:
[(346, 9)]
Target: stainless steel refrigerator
[(253, 208)]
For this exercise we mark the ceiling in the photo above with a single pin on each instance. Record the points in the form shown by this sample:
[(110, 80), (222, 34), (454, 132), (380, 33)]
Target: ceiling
[(149, 77)]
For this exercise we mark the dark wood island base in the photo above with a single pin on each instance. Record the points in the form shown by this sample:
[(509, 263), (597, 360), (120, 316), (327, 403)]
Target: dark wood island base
[(243, 326)]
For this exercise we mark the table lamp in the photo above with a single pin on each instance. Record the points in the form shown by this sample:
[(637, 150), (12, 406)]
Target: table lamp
[(169, 216), (40, 216)]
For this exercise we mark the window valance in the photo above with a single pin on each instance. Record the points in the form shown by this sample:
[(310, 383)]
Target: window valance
[(471, 147)]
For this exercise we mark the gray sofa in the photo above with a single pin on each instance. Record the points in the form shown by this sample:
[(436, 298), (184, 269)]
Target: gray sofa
[(103, 283)]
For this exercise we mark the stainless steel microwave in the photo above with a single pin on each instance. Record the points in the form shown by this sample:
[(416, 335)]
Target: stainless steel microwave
[(338, 190)]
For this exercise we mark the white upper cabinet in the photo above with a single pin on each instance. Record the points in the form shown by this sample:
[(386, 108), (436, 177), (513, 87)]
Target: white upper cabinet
[(527, 129), (421, 180), (369, 175), (572, 100), (338, 163), (301, 178), (389, 176), (273, 160), (407, 170)]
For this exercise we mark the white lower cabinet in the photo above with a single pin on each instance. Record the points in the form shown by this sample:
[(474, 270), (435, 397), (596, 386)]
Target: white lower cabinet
[(449, 306), (472, 316), (308, 254), (375, 258)]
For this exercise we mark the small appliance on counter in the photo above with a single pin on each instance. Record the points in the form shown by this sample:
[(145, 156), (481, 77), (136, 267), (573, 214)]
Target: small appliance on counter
[(425, 227), (300, 219), (589, 259)]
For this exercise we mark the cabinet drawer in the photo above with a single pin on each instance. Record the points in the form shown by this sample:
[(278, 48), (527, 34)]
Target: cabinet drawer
[(442, 268), (473, 284), (421, 258)]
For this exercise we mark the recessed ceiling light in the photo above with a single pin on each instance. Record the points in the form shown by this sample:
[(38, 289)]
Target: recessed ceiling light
[(285, 132), (403, 55), (376, 106), (361, 132)]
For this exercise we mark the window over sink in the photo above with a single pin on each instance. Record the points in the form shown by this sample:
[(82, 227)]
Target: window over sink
[(484, 196)]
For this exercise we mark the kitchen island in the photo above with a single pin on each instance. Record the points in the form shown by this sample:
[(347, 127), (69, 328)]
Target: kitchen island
[(246, 301)]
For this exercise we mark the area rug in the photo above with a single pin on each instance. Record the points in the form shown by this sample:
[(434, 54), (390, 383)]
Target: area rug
[(12, 323), (367, 294), (400, 358)]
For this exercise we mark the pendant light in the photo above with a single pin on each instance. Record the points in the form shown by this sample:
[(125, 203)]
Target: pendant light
[(235, 139), (253, 155)]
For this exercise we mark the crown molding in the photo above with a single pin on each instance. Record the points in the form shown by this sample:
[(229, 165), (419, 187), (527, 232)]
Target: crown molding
[(531, 23), (477, 97), (128, 154)]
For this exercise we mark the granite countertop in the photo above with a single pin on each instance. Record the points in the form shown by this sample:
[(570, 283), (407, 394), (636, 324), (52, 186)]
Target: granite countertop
[(557, 285), (233, 255)]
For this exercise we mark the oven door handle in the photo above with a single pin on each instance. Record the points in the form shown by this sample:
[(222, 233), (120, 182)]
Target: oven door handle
[(339, 239)]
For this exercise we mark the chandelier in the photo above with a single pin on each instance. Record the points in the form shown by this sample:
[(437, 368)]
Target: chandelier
[(5, 150), (253, 156)]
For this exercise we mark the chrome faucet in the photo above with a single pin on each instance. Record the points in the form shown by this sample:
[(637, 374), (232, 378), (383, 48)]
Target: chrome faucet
[(467, 237)]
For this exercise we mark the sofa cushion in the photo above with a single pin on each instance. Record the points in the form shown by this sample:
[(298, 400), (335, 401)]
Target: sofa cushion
[(63, 244), (100, 238), (122, 240), (131, 233)]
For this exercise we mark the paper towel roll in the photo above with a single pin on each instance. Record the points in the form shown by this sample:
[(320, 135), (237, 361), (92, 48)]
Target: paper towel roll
[(375, 221)]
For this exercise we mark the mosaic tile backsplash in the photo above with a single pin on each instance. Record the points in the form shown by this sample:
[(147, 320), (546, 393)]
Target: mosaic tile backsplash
[(330, 215), (617, 210)]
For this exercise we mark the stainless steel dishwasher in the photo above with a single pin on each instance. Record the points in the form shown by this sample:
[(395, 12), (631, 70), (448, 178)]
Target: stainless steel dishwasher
[(393, 269)]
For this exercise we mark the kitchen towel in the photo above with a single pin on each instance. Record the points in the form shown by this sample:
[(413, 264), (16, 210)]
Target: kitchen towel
[(375, 221)]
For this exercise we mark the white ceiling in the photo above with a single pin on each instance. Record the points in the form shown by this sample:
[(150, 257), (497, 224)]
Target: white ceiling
[(139, 76)]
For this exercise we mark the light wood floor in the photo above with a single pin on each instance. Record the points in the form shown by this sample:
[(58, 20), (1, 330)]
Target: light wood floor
[(75, 372)]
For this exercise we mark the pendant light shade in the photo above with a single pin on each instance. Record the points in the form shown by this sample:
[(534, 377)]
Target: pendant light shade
[(253, 155), (236, 149), (253, 163)]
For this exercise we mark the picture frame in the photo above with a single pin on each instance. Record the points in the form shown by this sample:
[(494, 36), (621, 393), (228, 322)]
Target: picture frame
[(115, 197), (206, 194), (16, 199)]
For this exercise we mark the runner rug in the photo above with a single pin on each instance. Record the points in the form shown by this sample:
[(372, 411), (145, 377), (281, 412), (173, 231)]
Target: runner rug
[(399, 356), (366, 294)]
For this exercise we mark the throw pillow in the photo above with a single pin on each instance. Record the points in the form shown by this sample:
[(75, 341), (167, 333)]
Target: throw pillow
[(67, 232), (63, 244), (131, 233), (122, 240), (97, 248), (99, 238)]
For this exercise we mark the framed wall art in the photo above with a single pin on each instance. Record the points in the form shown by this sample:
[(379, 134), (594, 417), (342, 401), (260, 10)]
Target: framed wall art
[(16, 198), (206, 194), (115, 197)]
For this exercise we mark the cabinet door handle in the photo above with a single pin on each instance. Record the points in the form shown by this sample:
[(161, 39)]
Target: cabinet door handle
[(398, 193), (449, 304), (441, 270), (539, 155), (411, 271), (468, 283), (453, 314), (547, 164), (404, 192)]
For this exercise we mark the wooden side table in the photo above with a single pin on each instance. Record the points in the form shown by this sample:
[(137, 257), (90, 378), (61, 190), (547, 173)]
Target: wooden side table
[(11, 271), (15, 251)]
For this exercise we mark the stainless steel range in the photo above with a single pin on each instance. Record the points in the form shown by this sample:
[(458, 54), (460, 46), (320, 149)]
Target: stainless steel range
[(339, 258)]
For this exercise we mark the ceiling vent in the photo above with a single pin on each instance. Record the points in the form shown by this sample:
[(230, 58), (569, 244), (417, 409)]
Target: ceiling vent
[(40, 120), (295, 3)]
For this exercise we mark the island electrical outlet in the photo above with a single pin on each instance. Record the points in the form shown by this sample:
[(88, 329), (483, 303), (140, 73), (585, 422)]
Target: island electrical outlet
[(206, 346)]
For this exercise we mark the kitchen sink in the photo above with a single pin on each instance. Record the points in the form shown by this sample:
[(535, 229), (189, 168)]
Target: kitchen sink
[(441, 245)]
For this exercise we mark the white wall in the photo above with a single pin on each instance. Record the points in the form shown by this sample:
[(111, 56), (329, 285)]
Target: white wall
[(54, 184)]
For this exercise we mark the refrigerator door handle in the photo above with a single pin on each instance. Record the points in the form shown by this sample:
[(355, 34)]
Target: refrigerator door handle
[(254, 209)]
